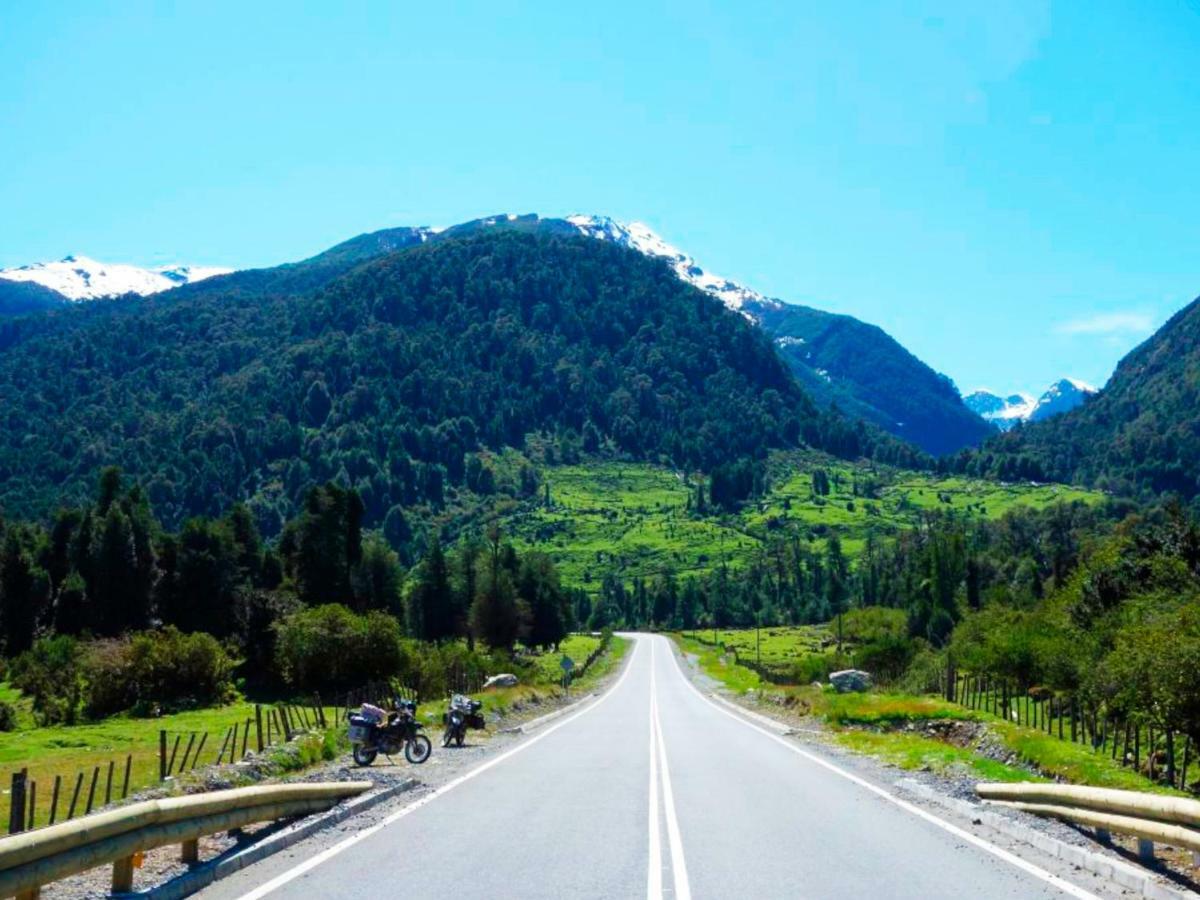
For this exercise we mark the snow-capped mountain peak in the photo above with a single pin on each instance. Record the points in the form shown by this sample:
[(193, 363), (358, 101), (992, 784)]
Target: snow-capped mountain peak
[(82, 278), (1005, 412), (640, 237)]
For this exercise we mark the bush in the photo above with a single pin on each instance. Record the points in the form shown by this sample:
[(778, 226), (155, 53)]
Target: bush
[(49, 673), (153, 670), (8, 716), (925, 672), (886, 657), (814, 667), (330, 648)]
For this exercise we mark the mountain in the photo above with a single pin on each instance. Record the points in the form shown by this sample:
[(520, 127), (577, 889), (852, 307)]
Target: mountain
[(18, 297), (1062, 396), (839, 359), (407, 376), (842, 362), (1140, 435), (1005, 412), (81, 278)]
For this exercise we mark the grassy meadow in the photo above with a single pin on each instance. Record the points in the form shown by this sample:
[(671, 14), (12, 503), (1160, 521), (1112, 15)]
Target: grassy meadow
[(634, 519)]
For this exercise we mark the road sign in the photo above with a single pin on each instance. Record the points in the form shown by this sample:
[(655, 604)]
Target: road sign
[(566, 663)]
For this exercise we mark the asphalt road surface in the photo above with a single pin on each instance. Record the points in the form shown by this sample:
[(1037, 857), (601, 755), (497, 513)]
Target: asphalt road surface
[(654, 790)]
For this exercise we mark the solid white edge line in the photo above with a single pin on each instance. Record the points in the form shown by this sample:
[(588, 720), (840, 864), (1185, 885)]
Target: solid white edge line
[(313, 861), (654, 856), (683, 889), (999, 852)]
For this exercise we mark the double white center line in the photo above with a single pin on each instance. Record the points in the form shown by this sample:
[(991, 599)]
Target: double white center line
[(658, 764)]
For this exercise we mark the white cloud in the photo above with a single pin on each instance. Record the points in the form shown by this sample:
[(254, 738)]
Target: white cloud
[(1108, 324)]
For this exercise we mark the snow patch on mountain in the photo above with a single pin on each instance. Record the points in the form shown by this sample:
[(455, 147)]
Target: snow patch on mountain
[(82, 278), (1005, 412), (638, 236)]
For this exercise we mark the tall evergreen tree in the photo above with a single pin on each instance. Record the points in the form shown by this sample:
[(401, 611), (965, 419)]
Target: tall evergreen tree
[(20, 603)]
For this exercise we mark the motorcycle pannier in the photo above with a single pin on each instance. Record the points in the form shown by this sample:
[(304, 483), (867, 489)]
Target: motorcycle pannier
[(360, 729)]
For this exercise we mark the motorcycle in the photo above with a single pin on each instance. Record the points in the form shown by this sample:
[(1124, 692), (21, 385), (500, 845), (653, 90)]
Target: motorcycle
[(462, 714), (374, 731)]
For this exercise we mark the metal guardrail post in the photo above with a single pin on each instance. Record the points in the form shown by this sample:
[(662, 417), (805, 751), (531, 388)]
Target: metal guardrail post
[(1145, 850), (122, 875), (189, 852)]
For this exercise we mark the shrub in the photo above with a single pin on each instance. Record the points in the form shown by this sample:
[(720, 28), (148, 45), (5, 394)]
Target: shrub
[(329, 647), (49, 673), (885, 657), (153, 670), (814, 667), (8, 716)]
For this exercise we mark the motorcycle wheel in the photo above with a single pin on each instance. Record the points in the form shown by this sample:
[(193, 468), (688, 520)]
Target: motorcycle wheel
[(417, 750), (447, 736), (364, 756), (459, 738)]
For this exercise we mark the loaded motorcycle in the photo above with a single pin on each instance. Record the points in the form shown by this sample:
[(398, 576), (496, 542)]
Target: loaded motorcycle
[(374, 731), (462, 714)]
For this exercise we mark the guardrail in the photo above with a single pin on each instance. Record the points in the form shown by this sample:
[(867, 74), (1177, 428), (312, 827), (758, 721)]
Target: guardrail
[(35, 858), (1149, 817)]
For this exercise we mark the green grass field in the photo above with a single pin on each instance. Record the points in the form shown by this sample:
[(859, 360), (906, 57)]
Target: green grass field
[(67, 750), (633, 519)]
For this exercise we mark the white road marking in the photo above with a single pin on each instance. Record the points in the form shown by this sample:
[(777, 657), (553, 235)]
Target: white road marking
[(654, 862), (683, 890), (327, 854), (1050, 878)]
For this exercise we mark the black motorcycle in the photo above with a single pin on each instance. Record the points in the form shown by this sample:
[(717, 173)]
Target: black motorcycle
[(463, 713), (373, 731)]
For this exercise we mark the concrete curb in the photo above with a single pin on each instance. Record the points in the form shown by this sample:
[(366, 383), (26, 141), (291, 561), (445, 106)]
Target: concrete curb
[(764, 720), (233, 861), (1123, 873), (529, 726)]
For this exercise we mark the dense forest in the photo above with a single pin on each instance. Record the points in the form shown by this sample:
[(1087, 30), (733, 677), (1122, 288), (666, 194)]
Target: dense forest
[(105, 610), (866, 373), (392, 379), (1140, 436)]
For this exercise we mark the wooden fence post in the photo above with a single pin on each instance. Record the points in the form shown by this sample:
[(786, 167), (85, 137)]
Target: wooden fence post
[(108, 782), (32, 803), (75, 795), (200, 749), (92, 789), (187, 751), (54, 798), (128, 768), (162, 755), (258, 732), (16, 809)]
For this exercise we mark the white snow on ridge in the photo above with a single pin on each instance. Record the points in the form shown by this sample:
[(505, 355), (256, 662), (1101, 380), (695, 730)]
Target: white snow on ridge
[(81, 278), (639, 237), (1005, 412)]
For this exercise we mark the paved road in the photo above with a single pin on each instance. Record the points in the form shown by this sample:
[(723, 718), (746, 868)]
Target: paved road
[(656, 791)]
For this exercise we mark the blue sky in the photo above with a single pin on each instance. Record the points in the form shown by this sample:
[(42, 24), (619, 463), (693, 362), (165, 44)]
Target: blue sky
[(1010, 189)]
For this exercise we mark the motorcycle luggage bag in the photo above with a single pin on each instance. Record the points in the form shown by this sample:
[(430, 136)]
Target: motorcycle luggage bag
[(372, 714), (360, 729)]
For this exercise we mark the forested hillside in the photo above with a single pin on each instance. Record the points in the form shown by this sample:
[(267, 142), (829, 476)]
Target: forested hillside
[(393, 379), (1140, 435), (868, 375)]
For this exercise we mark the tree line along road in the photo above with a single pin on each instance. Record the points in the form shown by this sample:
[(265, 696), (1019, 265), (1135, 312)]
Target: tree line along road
[(655, 790)]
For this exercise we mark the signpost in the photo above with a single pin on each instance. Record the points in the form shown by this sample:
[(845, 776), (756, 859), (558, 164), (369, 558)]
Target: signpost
[(566, 664)]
